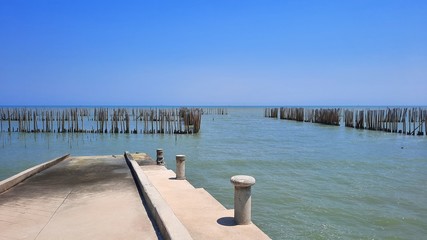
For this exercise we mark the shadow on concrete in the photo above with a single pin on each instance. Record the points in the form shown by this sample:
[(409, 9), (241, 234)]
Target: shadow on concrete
[(77, 176), (146, 162), (226, 221)]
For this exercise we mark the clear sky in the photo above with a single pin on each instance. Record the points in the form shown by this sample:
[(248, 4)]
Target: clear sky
[(217, 52)]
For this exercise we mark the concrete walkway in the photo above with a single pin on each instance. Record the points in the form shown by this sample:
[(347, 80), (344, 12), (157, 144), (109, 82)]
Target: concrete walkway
[(79, 198), (200, 213)]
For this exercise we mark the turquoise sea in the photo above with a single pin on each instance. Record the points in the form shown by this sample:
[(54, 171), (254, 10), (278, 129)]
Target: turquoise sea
[(312, 181)]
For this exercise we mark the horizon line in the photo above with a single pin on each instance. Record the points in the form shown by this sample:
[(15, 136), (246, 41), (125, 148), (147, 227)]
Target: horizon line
[(207, 106)]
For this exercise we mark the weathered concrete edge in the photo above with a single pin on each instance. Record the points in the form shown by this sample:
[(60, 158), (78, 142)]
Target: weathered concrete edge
[(19, 177), (170, 226)]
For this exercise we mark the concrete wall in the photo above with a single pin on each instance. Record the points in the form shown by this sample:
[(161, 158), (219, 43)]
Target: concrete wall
[(12, 181)]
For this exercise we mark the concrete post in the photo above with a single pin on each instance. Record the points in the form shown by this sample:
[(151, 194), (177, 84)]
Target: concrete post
[(159, 159), (242, 198), (180, 167)]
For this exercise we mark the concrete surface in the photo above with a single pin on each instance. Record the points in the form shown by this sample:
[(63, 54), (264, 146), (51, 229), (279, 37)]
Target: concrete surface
[(169, 225), (200, 213), (79, 198), (15, 179)]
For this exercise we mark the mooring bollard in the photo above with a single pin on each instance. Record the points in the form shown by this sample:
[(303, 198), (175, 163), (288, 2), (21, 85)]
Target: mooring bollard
[(159, 159), (180, 167), (242, 198)]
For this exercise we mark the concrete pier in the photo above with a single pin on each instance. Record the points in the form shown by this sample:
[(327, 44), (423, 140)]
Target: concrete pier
[(195, 209), (79, 198), (106, 197)]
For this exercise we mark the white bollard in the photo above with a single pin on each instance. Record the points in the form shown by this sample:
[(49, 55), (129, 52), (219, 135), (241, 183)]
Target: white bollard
[(180, 167), (242, 198)]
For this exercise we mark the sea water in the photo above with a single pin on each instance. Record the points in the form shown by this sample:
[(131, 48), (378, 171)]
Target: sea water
[(312, 181)]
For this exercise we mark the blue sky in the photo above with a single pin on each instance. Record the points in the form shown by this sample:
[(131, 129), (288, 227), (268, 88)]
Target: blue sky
[(219, 52)]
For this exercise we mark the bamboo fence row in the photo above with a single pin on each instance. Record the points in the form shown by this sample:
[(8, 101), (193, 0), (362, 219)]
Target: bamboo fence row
[(410, 121), (102, 120), (271, 112), (295, 114), (322, 116), (215, 111)]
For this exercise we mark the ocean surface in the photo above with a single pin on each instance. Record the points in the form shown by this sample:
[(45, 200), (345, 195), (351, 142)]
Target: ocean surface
[(312, 181)]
